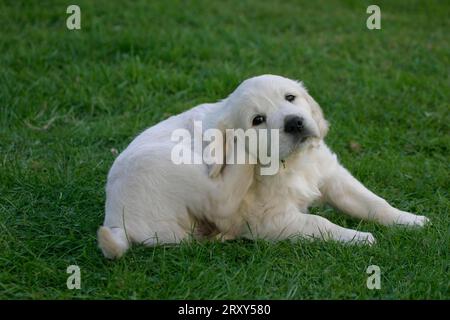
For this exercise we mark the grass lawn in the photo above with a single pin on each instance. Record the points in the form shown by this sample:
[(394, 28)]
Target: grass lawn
[(68, 97)]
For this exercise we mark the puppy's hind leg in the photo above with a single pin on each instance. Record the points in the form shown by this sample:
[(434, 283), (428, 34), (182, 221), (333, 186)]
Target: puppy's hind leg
[(293, 225), (112, 241)]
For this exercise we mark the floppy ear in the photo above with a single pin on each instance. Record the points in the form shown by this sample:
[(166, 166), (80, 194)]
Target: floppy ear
[(318, 117), (227, 140)]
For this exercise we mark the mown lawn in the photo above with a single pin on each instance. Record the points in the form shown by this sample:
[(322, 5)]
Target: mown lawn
[(68, 97)]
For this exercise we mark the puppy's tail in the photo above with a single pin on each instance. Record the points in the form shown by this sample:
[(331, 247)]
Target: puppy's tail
[(112, 241)]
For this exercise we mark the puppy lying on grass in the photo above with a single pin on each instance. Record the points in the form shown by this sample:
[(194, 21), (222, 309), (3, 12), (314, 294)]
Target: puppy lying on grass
[(152, 200)]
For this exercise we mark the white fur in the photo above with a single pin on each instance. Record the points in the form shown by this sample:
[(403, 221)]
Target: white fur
[(151, 200)]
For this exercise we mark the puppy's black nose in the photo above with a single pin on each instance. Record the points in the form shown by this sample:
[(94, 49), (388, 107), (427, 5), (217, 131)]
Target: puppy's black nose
[(293, 124)]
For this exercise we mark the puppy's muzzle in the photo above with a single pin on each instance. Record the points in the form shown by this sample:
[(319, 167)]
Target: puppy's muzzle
[(295, 126)]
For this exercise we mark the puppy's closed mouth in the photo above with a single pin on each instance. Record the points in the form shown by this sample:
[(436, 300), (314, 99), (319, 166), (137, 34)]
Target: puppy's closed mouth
[(297, 145), (306, 136), (304, 139)]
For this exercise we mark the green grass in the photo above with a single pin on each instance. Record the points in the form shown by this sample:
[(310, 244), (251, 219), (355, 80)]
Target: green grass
[(68, 97)]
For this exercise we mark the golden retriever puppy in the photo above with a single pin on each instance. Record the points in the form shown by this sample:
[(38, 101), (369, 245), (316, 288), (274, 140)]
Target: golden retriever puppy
[(154, 195)]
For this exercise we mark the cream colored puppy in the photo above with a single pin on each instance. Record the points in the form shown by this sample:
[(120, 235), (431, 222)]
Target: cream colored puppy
[(151, 200)]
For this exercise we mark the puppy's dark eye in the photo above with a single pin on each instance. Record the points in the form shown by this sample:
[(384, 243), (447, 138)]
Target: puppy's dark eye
[(289, 97), (258, 120)]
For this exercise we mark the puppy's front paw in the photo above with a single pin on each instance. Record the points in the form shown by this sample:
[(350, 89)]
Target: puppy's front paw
[(411, 220), (364, 238)]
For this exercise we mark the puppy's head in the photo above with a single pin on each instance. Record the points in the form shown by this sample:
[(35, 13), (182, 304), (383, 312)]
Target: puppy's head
[(274, 102)]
